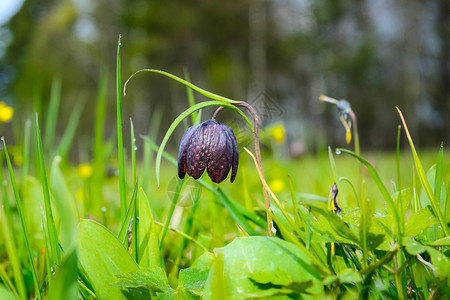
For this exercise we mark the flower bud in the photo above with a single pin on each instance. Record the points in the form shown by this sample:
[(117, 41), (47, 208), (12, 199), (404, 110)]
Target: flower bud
[(211, 146)]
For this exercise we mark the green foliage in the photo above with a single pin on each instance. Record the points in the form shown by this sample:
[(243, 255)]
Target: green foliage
[(191, 240)]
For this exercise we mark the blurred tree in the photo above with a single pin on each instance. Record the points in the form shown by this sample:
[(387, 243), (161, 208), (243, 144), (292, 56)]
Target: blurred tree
[(374, 55)]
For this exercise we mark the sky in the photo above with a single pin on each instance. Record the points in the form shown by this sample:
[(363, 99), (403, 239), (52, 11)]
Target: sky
[(8, 8)]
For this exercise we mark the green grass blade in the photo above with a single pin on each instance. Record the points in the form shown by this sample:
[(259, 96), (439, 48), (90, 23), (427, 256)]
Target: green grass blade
[(345, 179), (99, 148), (188, 84), (135, 246), (133, 151), (66, 141), (52, 114), (438, 184), (423, 179), (121, 159), (190, 96), (23, 223), (365, 224), (184, 115), (52, 235), (130, 213), (381, 187), (26, 151), (399, 182), (438, 178), (11, 250)]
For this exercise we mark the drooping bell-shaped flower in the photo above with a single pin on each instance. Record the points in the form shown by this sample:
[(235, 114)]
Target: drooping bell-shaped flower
[(211, 146)]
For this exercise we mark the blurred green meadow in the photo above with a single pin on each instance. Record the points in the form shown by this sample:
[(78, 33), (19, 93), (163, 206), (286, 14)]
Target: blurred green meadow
[(102, 229)]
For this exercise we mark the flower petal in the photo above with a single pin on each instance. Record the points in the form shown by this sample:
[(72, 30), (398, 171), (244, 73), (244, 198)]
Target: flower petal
[(221, 154), (182, 166), (235, 158), (197, 152)]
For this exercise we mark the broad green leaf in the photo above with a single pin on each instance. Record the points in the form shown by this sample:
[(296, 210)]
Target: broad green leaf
[(235, 264), (149, 256), (405, 196), (440, 262), (272, 284), (412, 246), (419, 274), (194, 278), (431, 177), (65, 285), (65, 205), (103, 257), (5, 294), (441, 242), (154, 279), (420, 221), (345, 276), (327, 223)]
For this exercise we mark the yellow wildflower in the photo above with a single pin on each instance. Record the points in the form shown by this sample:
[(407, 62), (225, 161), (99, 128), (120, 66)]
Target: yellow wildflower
[(278, 133), (277, 185), (6, 112), (85, 171)]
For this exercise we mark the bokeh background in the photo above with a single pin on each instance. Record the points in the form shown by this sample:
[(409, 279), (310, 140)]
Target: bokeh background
[(376, 54)]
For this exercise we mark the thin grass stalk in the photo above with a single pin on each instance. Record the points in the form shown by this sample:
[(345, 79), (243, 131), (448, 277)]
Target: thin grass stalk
[(22, 222), (424, 180), (363, 224), (258, 160), (121, 159), (136, 213), (51, 227), (184, 235), (355, 132), (190, 96), (398, 279), (308, 229), (399, 182), (5, 198), (438, 183), (26, 152)]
